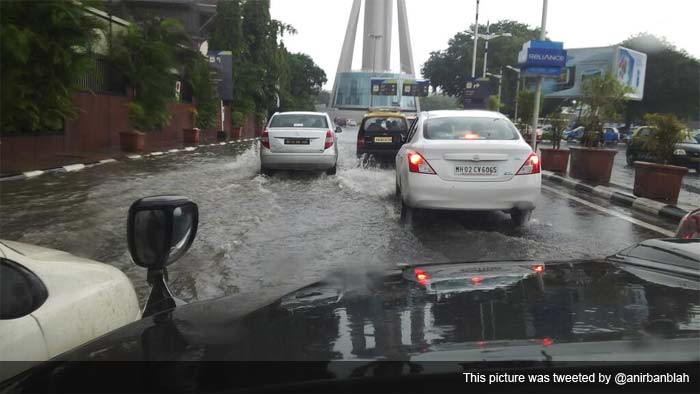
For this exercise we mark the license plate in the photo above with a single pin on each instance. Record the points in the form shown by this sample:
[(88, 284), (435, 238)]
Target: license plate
[(383, 139), (468, 170), (296, 141)]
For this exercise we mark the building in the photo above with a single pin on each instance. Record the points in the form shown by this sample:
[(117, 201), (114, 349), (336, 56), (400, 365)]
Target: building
[(197, 16), (351, 89)]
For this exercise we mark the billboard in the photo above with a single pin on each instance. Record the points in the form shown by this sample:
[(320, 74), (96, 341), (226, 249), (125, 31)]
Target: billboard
[(476, 93), (221, 65), (543, 58), (628, 66)]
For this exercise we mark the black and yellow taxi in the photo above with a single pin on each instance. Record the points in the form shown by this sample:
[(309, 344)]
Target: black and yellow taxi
[(381, 134)]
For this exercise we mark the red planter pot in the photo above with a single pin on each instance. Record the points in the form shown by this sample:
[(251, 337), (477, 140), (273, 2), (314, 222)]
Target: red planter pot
[(658, 181), (556, 160), (592, 164), (190, 136), (131, 141)]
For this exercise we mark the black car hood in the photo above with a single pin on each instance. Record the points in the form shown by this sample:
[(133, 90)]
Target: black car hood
[(470, 306)]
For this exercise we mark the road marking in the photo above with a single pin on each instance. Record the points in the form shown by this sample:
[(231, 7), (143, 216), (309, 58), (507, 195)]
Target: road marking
[(105, 161), (74, 167), (156, 153), (190, 148), (173, 150), (32, 174), (134, 157), (611, 212)]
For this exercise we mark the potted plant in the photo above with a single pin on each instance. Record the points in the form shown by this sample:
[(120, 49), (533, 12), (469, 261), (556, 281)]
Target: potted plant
[(236, 124), (602, 96), (554, 158), (660, 181)]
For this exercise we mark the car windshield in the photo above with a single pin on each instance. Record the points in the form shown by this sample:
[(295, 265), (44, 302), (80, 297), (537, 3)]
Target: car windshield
[(380, 123), (299, 120), (469, 128), (303, 180)]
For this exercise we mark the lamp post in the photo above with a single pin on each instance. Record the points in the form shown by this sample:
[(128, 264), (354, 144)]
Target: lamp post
[(375, 37), (499, 77), (488, 37), (476, 39), (538, 91), (517, 91)]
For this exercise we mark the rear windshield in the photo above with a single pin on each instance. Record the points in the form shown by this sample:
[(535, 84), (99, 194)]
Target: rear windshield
[(299, 120), (385, 124), (469, 128)]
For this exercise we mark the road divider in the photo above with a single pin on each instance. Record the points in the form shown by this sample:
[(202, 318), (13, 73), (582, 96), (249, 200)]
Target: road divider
[(667, 211), (81, 166)]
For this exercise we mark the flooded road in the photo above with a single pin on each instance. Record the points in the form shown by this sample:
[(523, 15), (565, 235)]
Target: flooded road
[(259, 233)]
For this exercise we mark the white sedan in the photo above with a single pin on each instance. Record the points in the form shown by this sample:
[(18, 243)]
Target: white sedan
[(467, 160), (299, 141), (52, 301)]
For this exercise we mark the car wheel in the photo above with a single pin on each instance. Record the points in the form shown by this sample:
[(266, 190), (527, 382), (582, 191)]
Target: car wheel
[(520, 217), (332, 170), (266, 171), (407, 213)]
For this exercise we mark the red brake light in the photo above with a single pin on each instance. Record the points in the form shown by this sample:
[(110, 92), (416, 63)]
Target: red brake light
[(421, 276), (538, 268), (531, 165), (477, 279), (360, 140), (265, 139), (416, 163), (547, 342), (329, 140)]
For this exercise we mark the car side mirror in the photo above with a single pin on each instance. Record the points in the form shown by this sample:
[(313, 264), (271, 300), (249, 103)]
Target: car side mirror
[(338, 129), (160, 229)]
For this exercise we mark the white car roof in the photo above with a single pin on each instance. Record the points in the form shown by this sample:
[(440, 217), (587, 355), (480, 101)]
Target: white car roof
[(475, 113)]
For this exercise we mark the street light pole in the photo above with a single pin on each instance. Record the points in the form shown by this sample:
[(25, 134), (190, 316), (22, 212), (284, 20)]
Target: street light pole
[(476, 39), (500, 71), (375, 37), (486, 47), (538, 91), (517, 91)]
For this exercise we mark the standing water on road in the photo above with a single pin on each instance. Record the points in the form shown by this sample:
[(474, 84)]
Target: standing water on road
[(260, 233)]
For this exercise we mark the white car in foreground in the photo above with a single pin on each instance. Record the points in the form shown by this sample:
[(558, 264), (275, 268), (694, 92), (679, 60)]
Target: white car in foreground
[(52, 301), (467, 160), (299, 141)]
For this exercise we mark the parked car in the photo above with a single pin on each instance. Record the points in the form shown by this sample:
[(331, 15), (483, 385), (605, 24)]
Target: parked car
[(351, 123), (467, 160), (686, 153), (611, 136), (299, 141), (574, 134), (381, 134), (52, 301), (340, 121)]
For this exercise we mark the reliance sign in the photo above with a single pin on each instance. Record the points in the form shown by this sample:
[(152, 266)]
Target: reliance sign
[(542, 58)]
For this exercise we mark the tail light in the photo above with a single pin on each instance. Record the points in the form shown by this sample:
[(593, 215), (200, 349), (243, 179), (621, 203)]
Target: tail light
[(265, 139), (417, 163), (689, 226), (360, 140), (531, 165), (539, 268), (421, 276), (477, 279), (329, 140)]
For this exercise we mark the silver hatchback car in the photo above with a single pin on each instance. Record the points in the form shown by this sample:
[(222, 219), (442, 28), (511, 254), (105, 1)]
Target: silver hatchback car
[(299, 141)]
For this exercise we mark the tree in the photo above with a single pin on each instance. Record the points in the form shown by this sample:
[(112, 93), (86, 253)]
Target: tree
[(228, 36), (665, 134), (494, 104), (46, 46), (306, 79), (437, 102), (603, 96), (205, 96), (149, 56), (450, 68), (672, 79), (323, 97)]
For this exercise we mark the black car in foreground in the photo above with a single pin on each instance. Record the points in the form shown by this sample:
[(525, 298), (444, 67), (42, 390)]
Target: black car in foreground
[(422, 327), (381, 135), (686, 153)]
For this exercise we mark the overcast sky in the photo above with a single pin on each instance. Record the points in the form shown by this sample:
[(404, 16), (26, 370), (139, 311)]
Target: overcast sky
[(321, 24)]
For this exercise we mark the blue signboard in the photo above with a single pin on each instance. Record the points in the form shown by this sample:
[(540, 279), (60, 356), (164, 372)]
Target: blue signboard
[(413, 87), (384, 87), (543, 58), (221, 64)]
